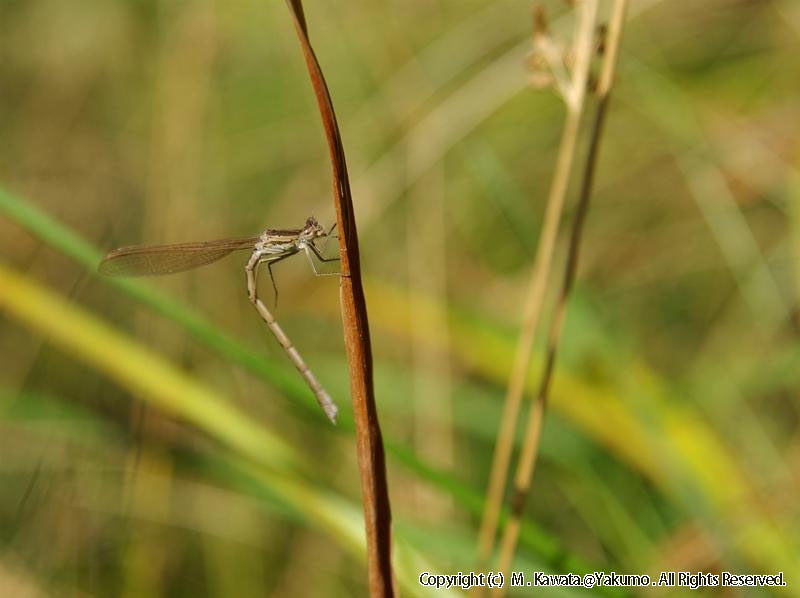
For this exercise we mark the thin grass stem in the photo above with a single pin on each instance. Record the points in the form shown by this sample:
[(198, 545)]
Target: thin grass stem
[(574, 100), (527, 462)]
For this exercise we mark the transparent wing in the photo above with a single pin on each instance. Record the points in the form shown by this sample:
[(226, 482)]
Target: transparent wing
[(167, 259)]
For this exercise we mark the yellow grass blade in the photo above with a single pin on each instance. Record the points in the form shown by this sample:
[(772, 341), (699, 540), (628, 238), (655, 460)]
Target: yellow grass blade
[(134, 367)]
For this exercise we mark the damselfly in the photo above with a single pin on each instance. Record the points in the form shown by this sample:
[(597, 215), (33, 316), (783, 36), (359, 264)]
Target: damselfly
[(268, 248)]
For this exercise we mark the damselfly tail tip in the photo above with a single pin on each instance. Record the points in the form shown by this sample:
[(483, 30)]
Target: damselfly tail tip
[(331, 411)]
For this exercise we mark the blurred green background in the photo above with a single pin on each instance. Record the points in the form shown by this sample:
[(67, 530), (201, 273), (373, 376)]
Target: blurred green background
[(155, 440)]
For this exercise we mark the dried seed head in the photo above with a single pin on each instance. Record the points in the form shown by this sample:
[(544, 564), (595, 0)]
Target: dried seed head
[(541, 79), (540, 75)]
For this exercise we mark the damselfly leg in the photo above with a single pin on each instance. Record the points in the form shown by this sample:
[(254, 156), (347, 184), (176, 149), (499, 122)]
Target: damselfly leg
[(258, 258), (311, 248), (328, 237)]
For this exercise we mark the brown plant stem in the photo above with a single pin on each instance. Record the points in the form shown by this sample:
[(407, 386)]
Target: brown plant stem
[(369, 444), (574, 101), (527, 463)]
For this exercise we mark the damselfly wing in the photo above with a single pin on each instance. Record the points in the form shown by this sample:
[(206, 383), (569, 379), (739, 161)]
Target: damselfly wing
[(147, 260)]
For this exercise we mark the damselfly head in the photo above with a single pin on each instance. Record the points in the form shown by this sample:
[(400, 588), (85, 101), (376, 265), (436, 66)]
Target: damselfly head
[(312, 229)]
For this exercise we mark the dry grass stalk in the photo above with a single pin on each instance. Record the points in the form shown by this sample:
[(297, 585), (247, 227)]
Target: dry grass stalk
[(369, 443), (525, 469), (573, 94)]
